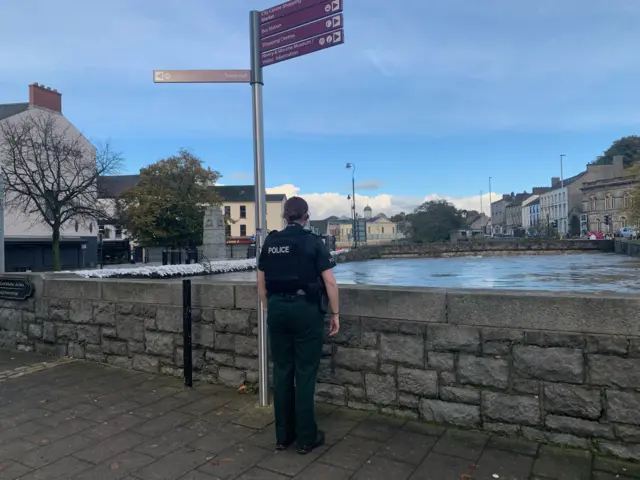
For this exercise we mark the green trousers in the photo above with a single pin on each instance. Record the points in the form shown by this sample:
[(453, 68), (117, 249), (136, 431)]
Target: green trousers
[(296, 330)]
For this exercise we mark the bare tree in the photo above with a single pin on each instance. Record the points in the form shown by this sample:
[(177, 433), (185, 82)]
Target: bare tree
[(51, 174)]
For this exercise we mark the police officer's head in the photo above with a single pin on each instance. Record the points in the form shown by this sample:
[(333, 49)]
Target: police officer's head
[(296, 210)]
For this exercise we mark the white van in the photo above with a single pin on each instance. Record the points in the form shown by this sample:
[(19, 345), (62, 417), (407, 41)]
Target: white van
[(628, 232)]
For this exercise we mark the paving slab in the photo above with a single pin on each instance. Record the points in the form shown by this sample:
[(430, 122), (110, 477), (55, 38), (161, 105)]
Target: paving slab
[(89, 421)]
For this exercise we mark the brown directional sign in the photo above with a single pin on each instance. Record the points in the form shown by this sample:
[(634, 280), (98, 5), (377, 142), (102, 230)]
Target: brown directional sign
[(313, 29), (303, 47), (300, 17), (15, 289), (202, 76)]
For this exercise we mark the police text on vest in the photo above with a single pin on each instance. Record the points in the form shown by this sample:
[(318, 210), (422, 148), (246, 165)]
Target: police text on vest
[(278, 250)]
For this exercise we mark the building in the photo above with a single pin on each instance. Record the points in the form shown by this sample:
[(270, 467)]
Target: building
[(28, 243), (531, 214), (115, 245), (499, 215), (513, 214), (562, 205), (238, 205), (378, 229), (607, 198)]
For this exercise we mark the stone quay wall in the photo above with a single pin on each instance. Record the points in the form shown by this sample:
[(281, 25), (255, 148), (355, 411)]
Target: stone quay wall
[(559, 368), (627, 247), (485, 246)]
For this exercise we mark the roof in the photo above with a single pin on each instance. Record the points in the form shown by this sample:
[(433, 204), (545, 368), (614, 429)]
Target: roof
[(244, 193), (10, 109), (115, 185), (566, 181)]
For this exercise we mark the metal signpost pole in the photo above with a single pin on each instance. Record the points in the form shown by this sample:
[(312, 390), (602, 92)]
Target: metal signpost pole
[(1, 223), (260, 194)]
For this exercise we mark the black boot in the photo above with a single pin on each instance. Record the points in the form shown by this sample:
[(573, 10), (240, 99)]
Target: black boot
[(304, 449)]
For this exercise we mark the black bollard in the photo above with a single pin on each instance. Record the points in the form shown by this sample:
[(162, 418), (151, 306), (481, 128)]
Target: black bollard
[(186, 332)]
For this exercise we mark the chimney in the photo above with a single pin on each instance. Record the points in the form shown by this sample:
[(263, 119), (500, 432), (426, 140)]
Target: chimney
[(45, 97), (555, 180), (618, 164)]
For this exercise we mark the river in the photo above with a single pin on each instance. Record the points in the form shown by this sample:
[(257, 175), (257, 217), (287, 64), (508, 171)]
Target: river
[(577, 272)]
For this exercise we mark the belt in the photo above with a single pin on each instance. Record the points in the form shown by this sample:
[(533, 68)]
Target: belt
[(298, 293)]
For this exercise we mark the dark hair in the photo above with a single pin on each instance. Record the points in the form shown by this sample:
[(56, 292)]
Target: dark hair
[(295, 209)]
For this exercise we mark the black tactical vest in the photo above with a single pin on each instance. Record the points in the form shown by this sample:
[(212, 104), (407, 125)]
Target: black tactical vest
[(289, 264)]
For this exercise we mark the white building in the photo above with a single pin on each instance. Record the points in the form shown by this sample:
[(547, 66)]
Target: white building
[(28, 244), (530, 212), (554, 204)]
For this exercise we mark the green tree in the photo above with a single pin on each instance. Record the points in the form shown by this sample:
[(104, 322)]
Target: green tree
[(628, 147), (633, 212), (166, 208), (433, 221)]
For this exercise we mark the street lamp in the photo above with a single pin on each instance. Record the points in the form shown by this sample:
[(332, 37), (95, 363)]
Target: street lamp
[(352, 166)]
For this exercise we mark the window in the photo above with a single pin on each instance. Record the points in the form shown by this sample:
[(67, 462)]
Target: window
[(227, 230), (598, 224), (243, 212), (608, 202), (106, 233), (227, 211), (623, 222), (593, 203), (382, 229), (243, 229), (118, 231), (626, 200)]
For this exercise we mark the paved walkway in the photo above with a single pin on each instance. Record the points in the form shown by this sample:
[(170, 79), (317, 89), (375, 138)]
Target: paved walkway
[(75, 420)]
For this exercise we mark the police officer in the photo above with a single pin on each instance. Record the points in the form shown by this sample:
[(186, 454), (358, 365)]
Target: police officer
[(294, 277)]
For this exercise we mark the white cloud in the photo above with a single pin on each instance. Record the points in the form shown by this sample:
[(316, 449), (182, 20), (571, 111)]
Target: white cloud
[(323, 205)]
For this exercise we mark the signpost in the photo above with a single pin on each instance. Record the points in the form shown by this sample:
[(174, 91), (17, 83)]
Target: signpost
[(289, 30), (201, 76)]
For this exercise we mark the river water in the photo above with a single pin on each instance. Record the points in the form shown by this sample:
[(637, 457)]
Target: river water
[(578, 272)]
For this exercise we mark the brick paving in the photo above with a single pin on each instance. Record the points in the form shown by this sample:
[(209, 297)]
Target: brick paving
[(73, 420)]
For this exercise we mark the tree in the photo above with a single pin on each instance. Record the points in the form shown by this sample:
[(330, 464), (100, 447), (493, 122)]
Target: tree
[(633, 211), (51, 174), (433, 221), (166, 207), (628, 147)]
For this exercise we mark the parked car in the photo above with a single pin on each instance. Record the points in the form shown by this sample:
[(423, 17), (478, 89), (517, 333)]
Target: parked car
[(628, 232)]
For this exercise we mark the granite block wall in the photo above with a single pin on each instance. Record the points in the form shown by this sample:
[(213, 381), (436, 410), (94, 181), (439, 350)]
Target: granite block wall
[(563, 369)]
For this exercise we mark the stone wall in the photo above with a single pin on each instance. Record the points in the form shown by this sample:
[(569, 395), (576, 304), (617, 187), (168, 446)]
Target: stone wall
[(558, 368), (627, 247), (484, 246)]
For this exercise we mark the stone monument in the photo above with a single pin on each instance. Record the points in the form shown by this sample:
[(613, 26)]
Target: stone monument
[(214, 243)]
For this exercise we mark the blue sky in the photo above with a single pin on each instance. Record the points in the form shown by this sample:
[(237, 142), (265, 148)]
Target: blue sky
[(427, 98)]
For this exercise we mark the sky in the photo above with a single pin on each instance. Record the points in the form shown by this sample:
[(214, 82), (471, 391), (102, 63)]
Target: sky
[(427, 98)]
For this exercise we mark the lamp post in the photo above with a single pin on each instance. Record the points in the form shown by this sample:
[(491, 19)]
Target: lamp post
[(352, 166)]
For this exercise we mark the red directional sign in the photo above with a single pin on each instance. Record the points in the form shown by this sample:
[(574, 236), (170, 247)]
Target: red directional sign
[(286, 8), (295, 18), (303, 47), (319, 27)]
